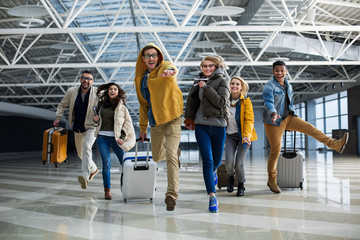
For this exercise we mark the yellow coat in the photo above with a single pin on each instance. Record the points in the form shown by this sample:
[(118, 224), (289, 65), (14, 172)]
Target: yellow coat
[(247, 119), (165, 95)]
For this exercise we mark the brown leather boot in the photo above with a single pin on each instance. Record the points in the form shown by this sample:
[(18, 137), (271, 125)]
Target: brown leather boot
[(273, 185), (107, 193), (170, 203)]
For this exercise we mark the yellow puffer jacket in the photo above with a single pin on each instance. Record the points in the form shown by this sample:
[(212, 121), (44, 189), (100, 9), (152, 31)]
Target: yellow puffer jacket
[(247, 119), (165, 95)]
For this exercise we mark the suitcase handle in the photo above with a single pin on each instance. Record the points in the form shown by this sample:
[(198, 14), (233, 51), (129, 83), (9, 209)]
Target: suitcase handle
[(63, 132), (147, 151), (294, 150), (145, 140)]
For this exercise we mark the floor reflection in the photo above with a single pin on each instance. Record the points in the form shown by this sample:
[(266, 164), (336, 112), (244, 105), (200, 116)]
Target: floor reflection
[(44, 202)]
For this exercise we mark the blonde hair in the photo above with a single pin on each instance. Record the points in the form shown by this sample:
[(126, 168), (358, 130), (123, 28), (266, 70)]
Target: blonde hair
[(219, 61), (244, 85)]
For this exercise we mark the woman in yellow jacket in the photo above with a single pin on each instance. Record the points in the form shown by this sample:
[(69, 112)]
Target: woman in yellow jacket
[(240, 132)]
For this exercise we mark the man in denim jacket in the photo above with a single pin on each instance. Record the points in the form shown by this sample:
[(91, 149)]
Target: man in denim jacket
[(278, 116)]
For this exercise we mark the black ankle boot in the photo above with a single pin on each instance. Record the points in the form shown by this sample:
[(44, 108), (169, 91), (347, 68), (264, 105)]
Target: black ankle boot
[(230, 187), (240, 190)]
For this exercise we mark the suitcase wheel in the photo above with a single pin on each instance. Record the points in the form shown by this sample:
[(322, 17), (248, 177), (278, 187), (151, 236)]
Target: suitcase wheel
[(301, 186), (151, 199), (44, 162), (124, 200)]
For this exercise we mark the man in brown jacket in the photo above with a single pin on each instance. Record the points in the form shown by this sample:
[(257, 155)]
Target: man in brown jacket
[(80, 101)]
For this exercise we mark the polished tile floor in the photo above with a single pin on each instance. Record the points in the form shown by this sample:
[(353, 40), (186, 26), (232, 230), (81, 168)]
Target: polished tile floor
[(44, 202)]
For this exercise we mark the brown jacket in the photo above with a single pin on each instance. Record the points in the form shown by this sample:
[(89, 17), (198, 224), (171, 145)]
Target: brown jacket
[(69, 101)]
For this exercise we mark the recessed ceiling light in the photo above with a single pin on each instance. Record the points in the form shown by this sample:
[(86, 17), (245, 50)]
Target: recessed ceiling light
[(240, 58), (279, 59), (248, 45), (30, 22), (206, 44), (66, 55), (223, 23), (64, 45), (28, 11), (278, 49), (205, 54), (223, 11)]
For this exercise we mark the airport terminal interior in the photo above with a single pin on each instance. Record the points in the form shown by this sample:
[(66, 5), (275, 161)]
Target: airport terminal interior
[(46, 44)]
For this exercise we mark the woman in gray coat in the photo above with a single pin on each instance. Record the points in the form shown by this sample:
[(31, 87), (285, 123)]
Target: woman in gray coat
[(207, 107)]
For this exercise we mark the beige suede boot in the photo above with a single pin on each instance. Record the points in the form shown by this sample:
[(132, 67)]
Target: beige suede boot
[(339, 145), (273, 185)]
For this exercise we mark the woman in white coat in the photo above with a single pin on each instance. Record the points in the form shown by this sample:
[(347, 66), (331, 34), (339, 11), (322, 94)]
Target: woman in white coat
[(115, 128)]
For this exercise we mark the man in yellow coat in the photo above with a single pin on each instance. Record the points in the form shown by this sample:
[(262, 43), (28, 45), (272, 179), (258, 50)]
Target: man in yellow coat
[(161, 106)]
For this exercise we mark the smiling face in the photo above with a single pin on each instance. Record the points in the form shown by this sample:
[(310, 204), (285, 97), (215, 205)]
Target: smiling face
[(208, 67), (235, 87), (280, 73), (150, 58), (113, 91), (86, 80)]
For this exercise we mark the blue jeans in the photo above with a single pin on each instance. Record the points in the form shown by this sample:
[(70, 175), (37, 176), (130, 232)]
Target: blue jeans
[(211, 142), (104, 144)]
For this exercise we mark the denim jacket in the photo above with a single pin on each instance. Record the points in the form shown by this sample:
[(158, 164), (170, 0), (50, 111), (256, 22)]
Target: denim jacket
[(274, 100)]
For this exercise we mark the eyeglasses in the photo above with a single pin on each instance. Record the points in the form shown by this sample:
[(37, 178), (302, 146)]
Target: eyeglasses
[(86, 78), (209, 66), (148, 56)]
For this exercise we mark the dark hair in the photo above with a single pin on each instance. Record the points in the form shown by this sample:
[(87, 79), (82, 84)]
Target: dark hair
[(88, 72), (147, 47), (278, 63), (103, 95)]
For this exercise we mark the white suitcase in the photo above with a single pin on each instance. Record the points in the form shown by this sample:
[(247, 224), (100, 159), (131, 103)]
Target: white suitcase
[(290, 167), (138, 175)]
